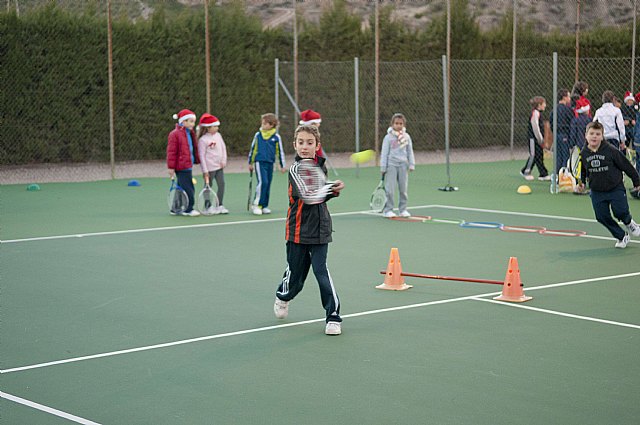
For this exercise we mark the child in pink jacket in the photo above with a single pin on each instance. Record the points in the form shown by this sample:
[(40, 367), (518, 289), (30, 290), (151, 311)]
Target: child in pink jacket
[(213, 157)]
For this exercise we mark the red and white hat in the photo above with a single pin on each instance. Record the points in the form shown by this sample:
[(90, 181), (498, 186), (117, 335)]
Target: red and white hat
[(309, 117), (208, 120), (582, 105), (628, 95), (638, 97), (185, 114)]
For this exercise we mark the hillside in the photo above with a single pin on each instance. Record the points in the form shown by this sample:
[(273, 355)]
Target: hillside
[(545, 16)]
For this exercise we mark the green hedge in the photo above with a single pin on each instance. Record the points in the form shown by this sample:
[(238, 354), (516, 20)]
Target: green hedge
[(53, 68)]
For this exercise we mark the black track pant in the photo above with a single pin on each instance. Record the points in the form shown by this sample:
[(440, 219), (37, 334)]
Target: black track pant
[(300, 258)]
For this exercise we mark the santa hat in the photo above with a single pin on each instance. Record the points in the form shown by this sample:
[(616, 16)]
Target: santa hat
[(628, 95), (185, 114), (638, 97), (582, 106), (309, 117), (208, 120)]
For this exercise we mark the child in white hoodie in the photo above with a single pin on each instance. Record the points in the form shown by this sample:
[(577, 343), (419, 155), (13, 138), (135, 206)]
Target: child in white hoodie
[(395, 163), (213, 156)]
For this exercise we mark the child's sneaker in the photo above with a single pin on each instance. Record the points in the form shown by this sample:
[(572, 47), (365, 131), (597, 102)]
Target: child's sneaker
[(173, 213), (281, 308), (405, 213), (222, 210), (333, 328), (192, 213), (544, 178), (528, 177), (266, 211), (634, 229), (212, 211), (389, 214), (256, 210), (623, 242)]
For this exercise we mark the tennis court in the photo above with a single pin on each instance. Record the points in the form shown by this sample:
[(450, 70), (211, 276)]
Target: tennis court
[(113, 312)]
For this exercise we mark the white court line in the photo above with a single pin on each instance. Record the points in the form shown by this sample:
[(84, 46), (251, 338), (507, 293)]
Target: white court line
[(272, 220), (47, 409), (288, 325), (557, 217), (559, 313), (157, 229)]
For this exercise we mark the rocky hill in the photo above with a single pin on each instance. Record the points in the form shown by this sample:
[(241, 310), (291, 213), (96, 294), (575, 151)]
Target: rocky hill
[(544, 15)]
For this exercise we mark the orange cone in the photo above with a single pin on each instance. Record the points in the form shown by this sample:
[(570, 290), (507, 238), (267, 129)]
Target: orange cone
[(512, 290), (393, 279)]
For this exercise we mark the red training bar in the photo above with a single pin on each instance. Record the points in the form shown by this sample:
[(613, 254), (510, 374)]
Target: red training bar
[(461, 279)]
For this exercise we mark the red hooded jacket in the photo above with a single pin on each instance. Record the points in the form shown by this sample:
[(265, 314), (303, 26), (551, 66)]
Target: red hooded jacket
[(178, 155)]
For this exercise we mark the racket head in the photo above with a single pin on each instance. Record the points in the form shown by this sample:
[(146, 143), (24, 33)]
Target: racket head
[(207, 201), (311, 181), (378, 199), (177, 199), (575, 165), (250, 197)]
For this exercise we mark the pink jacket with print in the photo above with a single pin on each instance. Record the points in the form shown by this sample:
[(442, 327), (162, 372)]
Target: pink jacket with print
[(213, 152)]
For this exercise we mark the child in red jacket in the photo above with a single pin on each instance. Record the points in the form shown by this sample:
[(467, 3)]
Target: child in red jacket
[(182, 154)]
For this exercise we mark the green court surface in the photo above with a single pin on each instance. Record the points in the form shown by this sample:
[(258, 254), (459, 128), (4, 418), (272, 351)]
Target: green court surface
[(114, 312)]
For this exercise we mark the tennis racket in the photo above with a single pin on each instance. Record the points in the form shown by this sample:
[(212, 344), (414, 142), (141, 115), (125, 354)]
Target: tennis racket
[(208, 201), (177, 200), (311, 181), (631, 155), (574, 164), (250, 198), (378, 197)]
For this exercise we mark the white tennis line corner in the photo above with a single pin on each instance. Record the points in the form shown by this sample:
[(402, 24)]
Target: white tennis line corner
[(186, 226), (278, 219), (47, 409), (560, 313), (304, 322)]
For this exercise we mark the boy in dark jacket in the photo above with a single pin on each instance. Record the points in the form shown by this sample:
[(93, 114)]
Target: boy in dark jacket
[(182, 154), (308, 234), (602, 167)]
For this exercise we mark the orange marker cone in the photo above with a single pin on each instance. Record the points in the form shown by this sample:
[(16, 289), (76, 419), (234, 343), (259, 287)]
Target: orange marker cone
[(393, 279), (512, 290)]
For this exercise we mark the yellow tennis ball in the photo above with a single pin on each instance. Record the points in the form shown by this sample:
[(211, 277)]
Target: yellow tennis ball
[(364, 156), (195, 182), (524, 190)]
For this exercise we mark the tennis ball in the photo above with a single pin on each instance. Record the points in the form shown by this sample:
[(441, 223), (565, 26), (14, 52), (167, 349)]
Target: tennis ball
[(524, 190), (362, 157), (195, 182)]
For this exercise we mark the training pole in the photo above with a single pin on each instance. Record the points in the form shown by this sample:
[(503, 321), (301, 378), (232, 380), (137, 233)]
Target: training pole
[(460, 279), (112, 138)]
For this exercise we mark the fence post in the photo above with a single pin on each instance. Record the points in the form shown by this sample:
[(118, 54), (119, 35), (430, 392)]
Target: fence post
[(357, 108), (513, 80), (112, 143), (445, 90), (633, 44), (554, 149), (277, 97)]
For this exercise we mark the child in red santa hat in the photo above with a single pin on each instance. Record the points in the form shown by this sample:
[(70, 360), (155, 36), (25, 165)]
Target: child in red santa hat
[(182, 154), (311, 117), (213, 158)]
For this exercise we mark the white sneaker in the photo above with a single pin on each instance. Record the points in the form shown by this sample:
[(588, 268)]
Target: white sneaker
[(212, 211), (405, 213), (266, 211), (543, 179), (634, 228), (528, 177), (222, 210), (256, 210), (281, 308), (623, 243), (193, 213), (173, 213), (333, 328), (389, 214)]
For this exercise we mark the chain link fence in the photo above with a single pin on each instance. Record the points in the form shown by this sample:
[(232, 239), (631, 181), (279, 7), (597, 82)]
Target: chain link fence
[(54, 118)]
